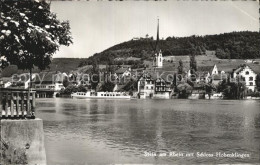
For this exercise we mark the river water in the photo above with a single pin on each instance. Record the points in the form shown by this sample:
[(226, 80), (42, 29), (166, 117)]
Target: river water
[(125, 131)]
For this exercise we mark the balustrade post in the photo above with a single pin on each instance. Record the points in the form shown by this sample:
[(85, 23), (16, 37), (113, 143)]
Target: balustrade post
[(17, 104), (6, 104), (28, 105), (12, 104), (33, 105), (22, 105), (1, 104)]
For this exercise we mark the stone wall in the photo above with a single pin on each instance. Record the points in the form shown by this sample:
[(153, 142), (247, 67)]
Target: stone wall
[(22, 142)]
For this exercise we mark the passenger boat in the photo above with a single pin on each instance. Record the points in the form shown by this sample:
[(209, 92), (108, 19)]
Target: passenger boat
[(100, 95)]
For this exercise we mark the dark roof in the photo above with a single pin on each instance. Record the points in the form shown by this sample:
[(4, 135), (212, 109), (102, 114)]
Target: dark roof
[(154, 75), (205, 68), (49, 77), (121, 70), (216, 77), (6, 79), (240, 68)]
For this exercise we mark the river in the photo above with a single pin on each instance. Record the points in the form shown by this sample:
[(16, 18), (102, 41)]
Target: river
[(126, 131)]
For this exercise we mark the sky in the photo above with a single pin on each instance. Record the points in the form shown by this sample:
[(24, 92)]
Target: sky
[(96, 26)]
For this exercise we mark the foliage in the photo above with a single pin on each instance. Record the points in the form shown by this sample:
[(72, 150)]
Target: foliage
[(184, 90), (193, 64), (130, 85), (94, 75), (258, 81), (107, 86), (236, 45), (232, 90), (72, 88), (209, 88), (66, 82), (180, 67), (30, 34)]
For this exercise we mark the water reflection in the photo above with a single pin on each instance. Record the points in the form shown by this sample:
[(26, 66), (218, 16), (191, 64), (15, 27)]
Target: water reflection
[(81, 130)]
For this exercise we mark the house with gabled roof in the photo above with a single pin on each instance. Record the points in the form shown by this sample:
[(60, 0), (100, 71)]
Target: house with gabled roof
[(207, 74), (123, 72), (146, 85), (155, 85), (246, 74), (48, 84)]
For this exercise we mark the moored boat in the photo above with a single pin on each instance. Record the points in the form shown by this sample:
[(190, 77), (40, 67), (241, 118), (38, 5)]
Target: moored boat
[(100, 95)]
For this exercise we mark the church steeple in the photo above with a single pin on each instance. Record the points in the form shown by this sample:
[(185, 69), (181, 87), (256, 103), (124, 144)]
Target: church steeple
[(157, 37), (158, 30)]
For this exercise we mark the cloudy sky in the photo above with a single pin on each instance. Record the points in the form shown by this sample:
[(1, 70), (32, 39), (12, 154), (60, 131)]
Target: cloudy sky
[(97, 26)]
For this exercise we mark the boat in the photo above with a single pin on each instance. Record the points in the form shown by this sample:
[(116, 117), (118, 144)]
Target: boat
[(214, 96), (100, 95)]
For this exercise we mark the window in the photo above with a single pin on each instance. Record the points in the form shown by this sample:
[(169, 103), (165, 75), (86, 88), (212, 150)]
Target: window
[(251, 78), (152, 87), (101, 94), (146, 87), (247, 73), (251, 83)]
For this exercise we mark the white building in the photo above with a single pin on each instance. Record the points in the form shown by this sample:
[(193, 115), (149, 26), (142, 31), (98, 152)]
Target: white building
[(146, 86), (48, 84), (158, 59), (123, 72), (247, 75)]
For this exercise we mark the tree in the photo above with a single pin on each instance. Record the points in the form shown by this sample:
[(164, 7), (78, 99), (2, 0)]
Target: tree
[(180, 67), (258, 81), (193, 64), (209, 88), (184, 90), (94, 75), (232, 90), (107, 86), (30, 34)]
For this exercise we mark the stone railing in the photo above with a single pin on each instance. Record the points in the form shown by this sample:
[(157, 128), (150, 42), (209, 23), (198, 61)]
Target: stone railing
[(17, 104)]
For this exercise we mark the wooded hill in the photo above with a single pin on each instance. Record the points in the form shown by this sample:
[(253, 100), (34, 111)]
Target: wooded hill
[(234, 45)]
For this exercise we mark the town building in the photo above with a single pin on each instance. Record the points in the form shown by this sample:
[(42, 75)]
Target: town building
[(123, 72), (162, 89), (207, 74), (146, 86), (48, 84), (246, 74)]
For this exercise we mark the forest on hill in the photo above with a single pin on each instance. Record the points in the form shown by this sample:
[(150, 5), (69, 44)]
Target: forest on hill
[(234, 45)]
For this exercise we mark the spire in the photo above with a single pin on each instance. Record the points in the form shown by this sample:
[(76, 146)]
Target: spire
[(157, 31), (157, 38)]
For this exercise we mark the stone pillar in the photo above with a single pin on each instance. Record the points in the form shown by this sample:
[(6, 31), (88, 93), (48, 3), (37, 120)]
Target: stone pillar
[(23, 142)]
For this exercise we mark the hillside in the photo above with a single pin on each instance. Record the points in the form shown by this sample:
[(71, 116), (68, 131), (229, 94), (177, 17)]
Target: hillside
[(234, 45), (58, 64)]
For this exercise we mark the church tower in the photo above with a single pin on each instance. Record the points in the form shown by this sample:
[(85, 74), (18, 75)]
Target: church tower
[(158, 60)]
